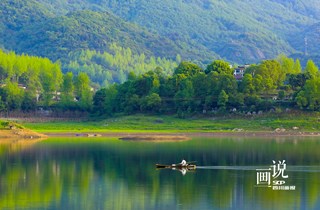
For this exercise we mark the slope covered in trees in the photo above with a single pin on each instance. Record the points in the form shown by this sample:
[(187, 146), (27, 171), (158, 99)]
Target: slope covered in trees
[(114, 67), (30, 27), (191, 89), (308, 40), (27, 82), (239, 31), (57, 37)]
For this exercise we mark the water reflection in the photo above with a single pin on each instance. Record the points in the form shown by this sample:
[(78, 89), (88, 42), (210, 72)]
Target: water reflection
[(113, 174)]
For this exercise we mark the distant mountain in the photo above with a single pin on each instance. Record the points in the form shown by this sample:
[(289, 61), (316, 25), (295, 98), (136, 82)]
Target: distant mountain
[(57, 37), (53, 36), (239, 31), (16, 14), (307, 41), (242, 31)]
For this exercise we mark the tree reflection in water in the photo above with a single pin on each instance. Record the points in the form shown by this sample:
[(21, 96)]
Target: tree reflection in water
[(113, 174)]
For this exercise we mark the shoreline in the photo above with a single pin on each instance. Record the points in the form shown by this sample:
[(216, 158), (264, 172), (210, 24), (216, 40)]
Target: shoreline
[(21, 134), (133, 134)]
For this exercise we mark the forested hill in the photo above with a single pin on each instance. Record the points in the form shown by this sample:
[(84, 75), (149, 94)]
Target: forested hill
[(245, 31), (238, 30), (33, 28), (57, 37)]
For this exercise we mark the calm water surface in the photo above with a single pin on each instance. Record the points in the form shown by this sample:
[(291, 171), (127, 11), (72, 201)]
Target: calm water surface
[(81, 173)]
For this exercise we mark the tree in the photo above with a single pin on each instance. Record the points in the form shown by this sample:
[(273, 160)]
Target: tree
[(258, 83), (29, 102), (14, 96), (48, 86), (219, 66), (247, 84), (270, 71), (99, 100), (287, 66), (227, 83), (222, 100), (83, 91), (309, 97), (151, 102), (184, 97), (297, 81), (67, 90), (311, 69), (187, 68), (200, 86), (297, 67), (110, 102)]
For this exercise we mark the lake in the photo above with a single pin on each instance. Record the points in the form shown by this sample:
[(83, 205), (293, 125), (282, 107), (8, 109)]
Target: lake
[(107, 173)]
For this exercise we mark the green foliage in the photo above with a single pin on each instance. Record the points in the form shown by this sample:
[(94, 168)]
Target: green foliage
[(219, 66), (151, 102), (114, 67), (14, 95), (311, 69), (83, 91), (247, 84), (67, 91), (222, 100), (238, 31), (309, 97), (57, 37), (187, 69), (27, 82)]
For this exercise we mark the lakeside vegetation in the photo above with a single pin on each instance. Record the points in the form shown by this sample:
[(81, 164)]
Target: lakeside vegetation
[(143, 123), (29, 83), (239, 31)]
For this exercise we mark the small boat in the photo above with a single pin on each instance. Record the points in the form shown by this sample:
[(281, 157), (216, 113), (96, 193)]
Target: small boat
[(176, 166), (183, 168)]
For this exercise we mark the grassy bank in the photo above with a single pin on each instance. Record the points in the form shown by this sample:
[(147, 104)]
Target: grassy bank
[(143, 123), (14, 130)]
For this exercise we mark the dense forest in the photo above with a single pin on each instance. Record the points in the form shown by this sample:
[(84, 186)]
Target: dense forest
[(29, 83), (55, 37), (191, 89), (108, 68), (199, 30)]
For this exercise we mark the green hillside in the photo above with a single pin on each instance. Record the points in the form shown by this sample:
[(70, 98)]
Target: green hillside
[(308, 40), (245, 31), (239, 31), (57, 37)]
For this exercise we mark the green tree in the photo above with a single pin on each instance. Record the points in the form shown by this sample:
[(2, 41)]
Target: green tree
[(184, 97), (270, 71), (67, 90), (83, 91), (223, 100), (110, 102), (99, 100), (29, 102), (309, 97), (151, 102), (297, 67), (219, 66), (247, 84), (187, 68), (311, 69), (14, 96)]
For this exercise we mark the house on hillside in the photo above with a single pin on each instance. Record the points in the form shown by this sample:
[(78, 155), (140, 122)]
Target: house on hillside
[(239, 71)]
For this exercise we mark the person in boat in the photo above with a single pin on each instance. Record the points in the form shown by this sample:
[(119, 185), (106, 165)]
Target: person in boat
[(183, 163)]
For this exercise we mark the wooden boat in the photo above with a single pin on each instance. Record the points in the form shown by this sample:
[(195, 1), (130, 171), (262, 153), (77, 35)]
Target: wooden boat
[(177, 166)]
